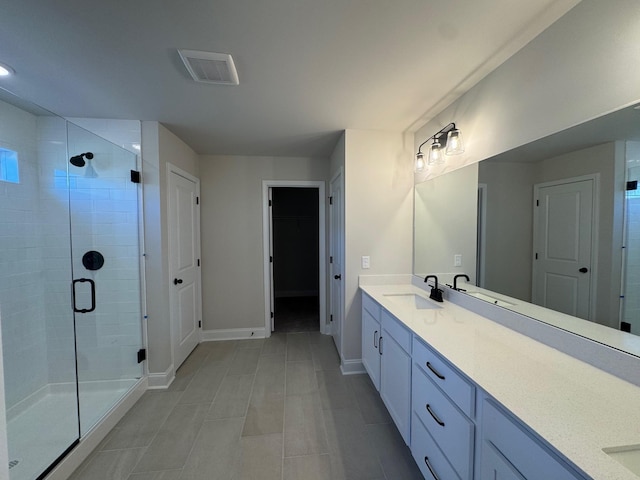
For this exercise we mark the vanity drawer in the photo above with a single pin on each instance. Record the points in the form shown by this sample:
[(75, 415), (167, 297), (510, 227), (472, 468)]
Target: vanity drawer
[(445, 376), (448, 426), (518, 448), (371, 306), (397, 330), (431, 462)]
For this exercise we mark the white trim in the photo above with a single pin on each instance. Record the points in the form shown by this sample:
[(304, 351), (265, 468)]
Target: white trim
[(233, 334), (322, 254), (159, 381), (339, 174), (482, 235), (92, 439), (352, 367), (171, 168), (595, 234)]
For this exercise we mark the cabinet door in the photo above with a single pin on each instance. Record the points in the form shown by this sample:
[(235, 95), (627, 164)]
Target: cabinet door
[(395, 383), (495, 466), (370, 342)]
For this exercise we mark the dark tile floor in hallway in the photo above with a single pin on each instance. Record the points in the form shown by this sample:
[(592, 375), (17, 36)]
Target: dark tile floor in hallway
[(264, 409), (297, 314)]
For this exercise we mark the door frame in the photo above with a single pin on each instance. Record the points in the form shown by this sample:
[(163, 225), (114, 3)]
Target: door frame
[(595, 233), (173, 169), (266, 242)]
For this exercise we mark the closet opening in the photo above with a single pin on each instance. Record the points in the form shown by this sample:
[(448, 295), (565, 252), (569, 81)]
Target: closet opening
[(295, 237)]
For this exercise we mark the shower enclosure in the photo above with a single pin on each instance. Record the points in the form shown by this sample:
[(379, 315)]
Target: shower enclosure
[(70, 295)]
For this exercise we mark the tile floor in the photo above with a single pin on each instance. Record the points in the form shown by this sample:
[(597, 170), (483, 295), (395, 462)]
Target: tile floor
[(264, 409)]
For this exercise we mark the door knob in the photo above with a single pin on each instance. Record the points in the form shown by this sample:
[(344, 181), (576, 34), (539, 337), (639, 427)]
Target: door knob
[(583, 270), (337, 277), (176, 281)]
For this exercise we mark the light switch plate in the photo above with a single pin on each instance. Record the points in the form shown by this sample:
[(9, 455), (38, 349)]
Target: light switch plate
[(457, 260), (366, 261)]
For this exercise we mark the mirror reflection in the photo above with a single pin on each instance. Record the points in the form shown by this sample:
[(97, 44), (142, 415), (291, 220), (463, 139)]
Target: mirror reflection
[(558, 226)]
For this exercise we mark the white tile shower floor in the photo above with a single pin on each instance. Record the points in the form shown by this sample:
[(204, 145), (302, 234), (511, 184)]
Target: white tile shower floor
[(40, 432)]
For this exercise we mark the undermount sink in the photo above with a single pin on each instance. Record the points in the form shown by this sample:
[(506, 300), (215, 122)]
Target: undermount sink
[(627, 456), (490, 299), (412, 300)]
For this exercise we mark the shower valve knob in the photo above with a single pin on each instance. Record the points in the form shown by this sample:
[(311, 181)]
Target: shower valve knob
[(177, 281)]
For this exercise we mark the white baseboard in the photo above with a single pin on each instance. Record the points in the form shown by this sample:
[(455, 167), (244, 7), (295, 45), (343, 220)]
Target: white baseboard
[(352, 367), (232, 334), (98, 433), (161, 381)]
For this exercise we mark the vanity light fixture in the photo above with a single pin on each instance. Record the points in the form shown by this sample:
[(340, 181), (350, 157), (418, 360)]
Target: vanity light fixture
[(447, 141)]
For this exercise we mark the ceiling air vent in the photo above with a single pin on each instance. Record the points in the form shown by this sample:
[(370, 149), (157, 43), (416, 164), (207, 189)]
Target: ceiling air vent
[(210, 67)]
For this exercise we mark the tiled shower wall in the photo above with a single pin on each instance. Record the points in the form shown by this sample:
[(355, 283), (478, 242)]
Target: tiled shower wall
[(21, 245)]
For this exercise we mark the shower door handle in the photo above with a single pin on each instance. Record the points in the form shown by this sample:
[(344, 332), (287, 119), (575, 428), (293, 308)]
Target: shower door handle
[(92, 284)]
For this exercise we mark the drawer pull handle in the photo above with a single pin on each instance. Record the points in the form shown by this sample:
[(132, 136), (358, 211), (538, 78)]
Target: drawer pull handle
[(435, 372), (433, 474), (375, 335), (435, 417)]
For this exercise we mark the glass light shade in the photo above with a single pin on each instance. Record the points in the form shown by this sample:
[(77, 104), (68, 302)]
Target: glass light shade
[(455, 146), (435, 153), (420, 163)]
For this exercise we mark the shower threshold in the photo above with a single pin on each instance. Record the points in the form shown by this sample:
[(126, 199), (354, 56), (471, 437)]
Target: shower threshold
[(42, 427)]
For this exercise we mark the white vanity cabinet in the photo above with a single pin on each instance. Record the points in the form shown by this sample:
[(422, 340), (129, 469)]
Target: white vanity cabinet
[(395, 372), (510, 452), (443, 406), (386, 356), (371, 333), (454, 428)]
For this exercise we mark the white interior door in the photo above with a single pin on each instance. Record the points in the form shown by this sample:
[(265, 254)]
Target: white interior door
[(564, 241), (184, 263), (336, 252)]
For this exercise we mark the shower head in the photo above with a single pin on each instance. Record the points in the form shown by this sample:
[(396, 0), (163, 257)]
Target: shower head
[(78, 160)]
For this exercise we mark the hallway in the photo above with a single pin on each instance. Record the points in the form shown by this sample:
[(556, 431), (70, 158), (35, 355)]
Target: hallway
[(267, 409)]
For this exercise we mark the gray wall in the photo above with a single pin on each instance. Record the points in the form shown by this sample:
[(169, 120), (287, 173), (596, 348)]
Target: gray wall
[(378, 195), (232, 237)]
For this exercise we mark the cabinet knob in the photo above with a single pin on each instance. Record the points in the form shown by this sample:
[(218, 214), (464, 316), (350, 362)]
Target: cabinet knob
[(177, 281), (337, 277)]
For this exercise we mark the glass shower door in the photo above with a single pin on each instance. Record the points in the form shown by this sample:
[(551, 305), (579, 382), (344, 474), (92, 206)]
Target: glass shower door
[(38, 346), (106, 272)]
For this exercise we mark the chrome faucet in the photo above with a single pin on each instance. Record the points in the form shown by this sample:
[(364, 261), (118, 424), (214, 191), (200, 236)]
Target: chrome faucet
[(455, 282), (436, 293)]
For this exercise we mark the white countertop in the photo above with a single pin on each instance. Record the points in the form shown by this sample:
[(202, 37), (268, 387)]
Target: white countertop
[(574, 406)]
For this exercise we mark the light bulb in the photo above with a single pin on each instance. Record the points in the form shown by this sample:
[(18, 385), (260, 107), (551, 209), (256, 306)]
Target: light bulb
[(419, 162), (455, 146), (435, 153)]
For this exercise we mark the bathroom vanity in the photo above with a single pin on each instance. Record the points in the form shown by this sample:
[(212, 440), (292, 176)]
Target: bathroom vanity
[(476, 400)]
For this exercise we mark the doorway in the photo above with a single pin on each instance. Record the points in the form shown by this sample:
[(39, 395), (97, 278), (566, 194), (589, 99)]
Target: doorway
[(294, 257)]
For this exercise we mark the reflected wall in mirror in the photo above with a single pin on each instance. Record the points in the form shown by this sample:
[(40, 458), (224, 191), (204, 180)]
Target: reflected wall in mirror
[(445, 218)]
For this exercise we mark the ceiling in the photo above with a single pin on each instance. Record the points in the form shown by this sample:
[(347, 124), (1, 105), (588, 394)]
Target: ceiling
[(308, 69)]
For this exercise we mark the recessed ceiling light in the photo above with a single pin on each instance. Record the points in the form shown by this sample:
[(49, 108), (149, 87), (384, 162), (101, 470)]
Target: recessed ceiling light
[(6, 70)]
